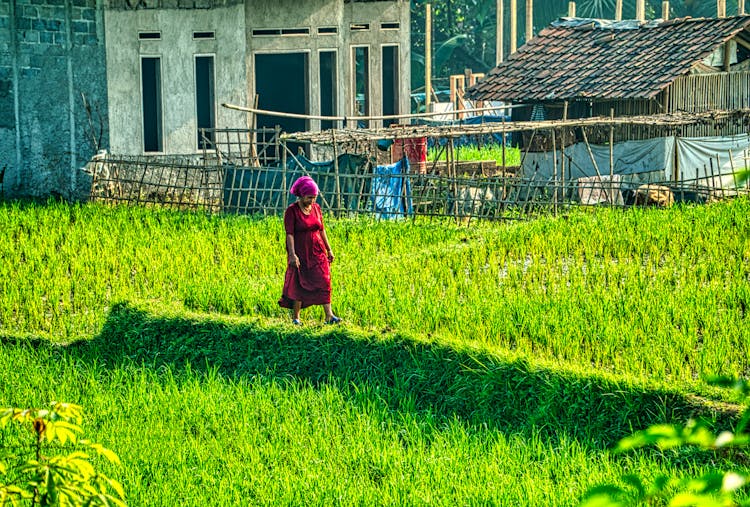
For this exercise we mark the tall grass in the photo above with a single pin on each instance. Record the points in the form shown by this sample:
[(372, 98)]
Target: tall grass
[(485, 152), (658, 295), (483, 365)]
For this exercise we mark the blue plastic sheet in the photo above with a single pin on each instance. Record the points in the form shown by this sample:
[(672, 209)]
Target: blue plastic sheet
[(391, 191)]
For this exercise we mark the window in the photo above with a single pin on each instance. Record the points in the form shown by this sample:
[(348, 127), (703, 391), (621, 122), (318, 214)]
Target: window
[(205, 101), (204, 35), (149, 35), (328, 88), (390, 83), (284, 32), (361, 77), (151, 103)]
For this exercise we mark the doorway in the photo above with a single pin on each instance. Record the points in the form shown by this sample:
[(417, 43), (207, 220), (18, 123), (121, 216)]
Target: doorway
[(281, 82)]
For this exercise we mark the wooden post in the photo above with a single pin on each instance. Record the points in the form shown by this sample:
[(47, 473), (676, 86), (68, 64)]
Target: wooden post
[(529, 20), (665, 10), (721, 8), (284, 190), (428, 58), (499, 33), (337, 182), (727, 58), (554, 170), (596, 166), (618, 10), (611, 144), (503, 142), (513, 26), (563, 138), (741, 7), (450, 157), (640, 10), (571, 9), (254, 139)]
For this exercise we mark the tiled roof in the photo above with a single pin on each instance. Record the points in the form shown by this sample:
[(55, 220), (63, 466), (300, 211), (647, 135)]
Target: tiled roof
[(581, 59)]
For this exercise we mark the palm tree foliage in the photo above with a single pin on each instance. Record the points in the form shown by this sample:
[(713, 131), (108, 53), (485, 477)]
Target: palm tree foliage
[(464, 31)]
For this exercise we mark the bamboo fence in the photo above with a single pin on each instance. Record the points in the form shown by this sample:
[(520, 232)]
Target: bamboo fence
[(242, 176)]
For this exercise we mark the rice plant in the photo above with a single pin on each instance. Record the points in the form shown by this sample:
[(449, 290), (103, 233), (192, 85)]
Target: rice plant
[(494, 364)]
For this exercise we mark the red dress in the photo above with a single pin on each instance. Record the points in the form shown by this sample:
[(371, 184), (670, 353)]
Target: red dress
[(311, 282)]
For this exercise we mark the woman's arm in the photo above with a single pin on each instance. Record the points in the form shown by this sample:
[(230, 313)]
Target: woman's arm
[(327, 245), (291, 255)]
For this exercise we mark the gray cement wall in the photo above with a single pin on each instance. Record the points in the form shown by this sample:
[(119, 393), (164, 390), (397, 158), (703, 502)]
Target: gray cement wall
[(234, 49), (177, 50), (313, 14), (51, 52)]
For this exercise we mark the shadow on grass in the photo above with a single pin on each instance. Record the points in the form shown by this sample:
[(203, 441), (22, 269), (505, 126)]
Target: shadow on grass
[(425, 380)]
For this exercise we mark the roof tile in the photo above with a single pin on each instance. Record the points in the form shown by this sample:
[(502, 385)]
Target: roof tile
[(604, 63)]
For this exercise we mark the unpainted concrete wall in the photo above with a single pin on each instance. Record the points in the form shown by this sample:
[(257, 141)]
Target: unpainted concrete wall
[(314, 14), (235, 48), (51, 53), (177, 50)]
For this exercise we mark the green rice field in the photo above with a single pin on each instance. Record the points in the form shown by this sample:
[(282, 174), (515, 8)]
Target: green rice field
[(490, 364), (486, 152)]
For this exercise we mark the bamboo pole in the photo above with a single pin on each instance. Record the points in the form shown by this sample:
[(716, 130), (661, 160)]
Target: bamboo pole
[(571, 9), (721, 8), (513, 25), (563, 139), (281, 114), (254, 139), (665, 10), (337, 182), (713, 178), (529, 20), (428, 58), (612, 154), (741, 7), (502, 143), (596, 166), (284, 193), (618, 10), (640, 10), (731, 165), (452, 157), (554, 171), (499, 32)]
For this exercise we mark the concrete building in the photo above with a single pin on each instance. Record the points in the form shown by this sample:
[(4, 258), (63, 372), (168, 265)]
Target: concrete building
[(141, 77), (51, 59)]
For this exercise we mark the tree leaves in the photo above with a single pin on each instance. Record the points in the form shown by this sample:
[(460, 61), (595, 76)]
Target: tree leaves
[(60, 480)]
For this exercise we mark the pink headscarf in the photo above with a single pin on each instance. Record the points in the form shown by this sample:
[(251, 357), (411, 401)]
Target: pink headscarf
[(304, 185)]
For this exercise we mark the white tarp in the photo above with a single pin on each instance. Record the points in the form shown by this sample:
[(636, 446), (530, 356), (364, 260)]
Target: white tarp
[(630, 157), (650, 160), (712, 159)]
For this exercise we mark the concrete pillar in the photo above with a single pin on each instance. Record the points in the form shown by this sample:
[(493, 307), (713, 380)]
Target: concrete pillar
[(640, 10), (499, 32)]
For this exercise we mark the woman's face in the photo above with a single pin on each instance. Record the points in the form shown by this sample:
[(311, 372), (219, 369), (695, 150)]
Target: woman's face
[(307, 200)]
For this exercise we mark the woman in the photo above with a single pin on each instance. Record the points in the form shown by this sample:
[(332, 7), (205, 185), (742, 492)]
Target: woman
[(309, 255)]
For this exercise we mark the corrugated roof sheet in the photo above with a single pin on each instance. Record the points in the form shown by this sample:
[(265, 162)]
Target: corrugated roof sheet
[(577, 58)]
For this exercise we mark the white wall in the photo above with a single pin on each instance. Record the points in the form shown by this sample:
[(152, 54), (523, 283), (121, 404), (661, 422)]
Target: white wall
[(177, 50), (234, 49)]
